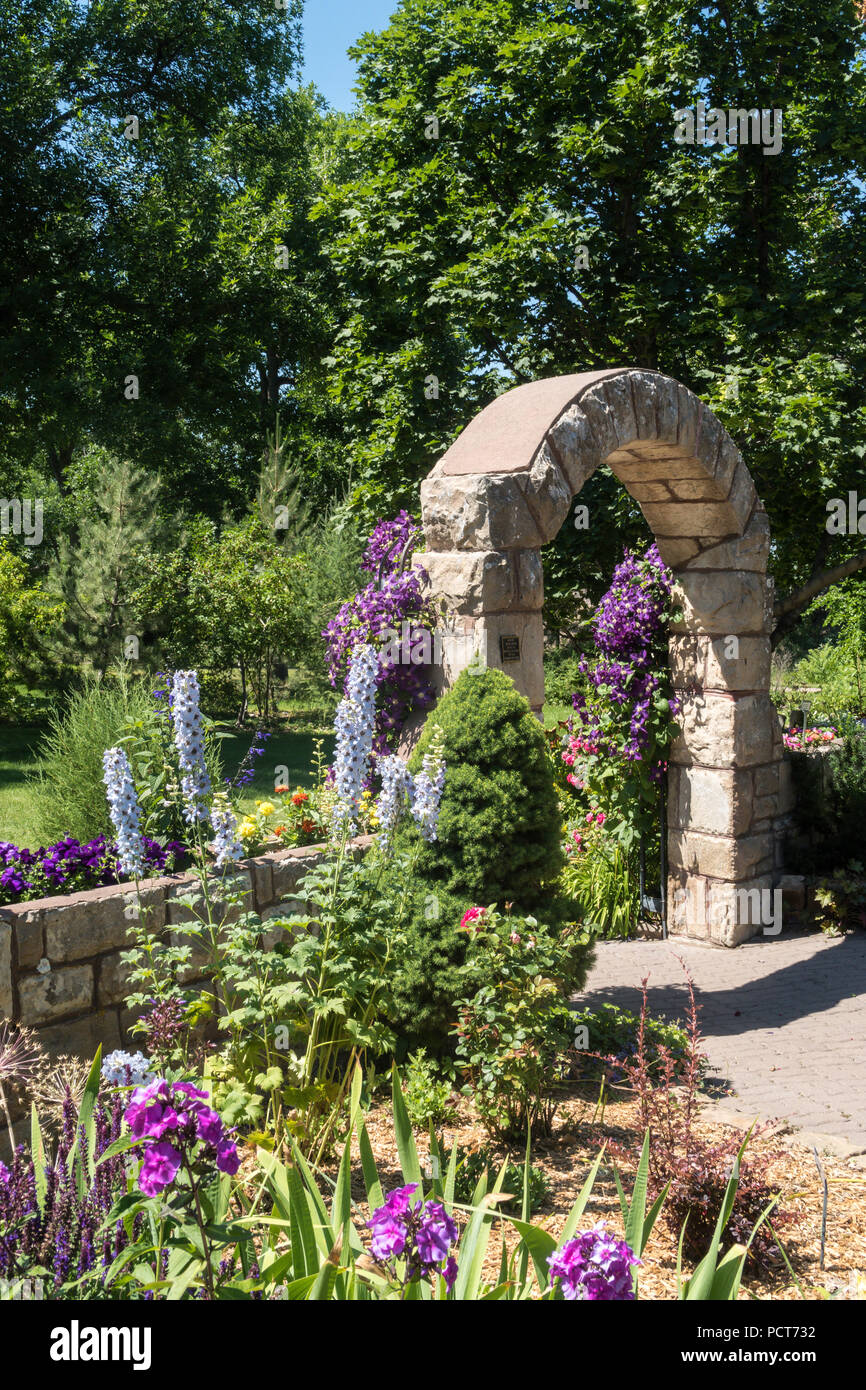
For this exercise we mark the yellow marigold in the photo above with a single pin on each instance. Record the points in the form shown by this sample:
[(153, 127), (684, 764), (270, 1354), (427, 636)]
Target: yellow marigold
[(266, 807)]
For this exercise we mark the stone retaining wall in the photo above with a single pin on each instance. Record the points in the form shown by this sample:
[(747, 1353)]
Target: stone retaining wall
[(60, 967)]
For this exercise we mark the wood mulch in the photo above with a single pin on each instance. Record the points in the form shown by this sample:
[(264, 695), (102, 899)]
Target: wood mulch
[(566, 1157)]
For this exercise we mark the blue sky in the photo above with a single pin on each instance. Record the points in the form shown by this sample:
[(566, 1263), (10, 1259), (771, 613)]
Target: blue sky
[(329, 27)]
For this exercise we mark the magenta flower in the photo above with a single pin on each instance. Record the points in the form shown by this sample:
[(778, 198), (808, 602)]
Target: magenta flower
[(209, 1126), (422, 1234), (198, 1137), (149, 1115), (161, 1162), (227, 1157), (594, 1266)]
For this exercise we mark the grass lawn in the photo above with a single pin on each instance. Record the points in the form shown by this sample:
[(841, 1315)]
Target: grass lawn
[(18, 757), (554, 713)]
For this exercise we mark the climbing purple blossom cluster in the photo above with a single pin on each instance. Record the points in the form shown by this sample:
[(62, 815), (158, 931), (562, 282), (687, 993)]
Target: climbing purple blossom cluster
[(422, 1234), (388, 541), (594, 1266), (394, 597), (629, 673)]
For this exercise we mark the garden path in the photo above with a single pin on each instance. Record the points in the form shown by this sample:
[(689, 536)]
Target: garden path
[(784, 1020)]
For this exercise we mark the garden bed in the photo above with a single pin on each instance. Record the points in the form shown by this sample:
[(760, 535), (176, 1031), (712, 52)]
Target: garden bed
[(565, 1160)]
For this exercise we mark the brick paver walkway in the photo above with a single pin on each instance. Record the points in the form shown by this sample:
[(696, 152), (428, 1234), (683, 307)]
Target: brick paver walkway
[(784, 1019)]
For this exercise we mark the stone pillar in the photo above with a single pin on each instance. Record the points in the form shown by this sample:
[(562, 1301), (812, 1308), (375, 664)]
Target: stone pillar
[(728, 787), (492, 601)]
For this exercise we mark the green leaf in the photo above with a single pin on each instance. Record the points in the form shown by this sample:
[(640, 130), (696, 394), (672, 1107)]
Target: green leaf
[(403, 1133), (38, 1151)]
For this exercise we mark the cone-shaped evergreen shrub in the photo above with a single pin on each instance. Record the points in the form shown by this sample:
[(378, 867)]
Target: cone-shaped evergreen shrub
[(498, 841)]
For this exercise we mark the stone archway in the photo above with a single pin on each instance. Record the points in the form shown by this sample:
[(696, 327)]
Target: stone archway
[(503, 490)]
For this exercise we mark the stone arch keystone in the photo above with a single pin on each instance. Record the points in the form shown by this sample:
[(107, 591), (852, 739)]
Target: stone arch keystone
[(503, 490)]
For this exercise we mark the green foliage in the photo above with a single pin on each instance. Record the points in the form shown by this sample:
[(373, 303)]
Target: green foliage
[(562, 674), (515, 1035), (831, 804), (601, 877), (27, 614), (226, 601), (428, 1098), (473, 1163), (833, 666), (69, 792), (841, 900), (460, 253), (612, 1035), (93, 567), (497, 839)]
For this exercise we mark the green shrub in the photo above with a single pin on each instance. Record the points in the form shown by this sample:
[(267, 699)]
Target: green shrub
[(612, 1032), (471, 1163), (498, 840), (428, 1098), (69, 790), (515, 1033), (831, 804)]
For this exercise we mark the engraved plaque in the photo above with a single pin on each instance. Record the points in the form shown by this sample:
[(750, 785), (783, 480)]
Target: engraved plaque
[(509, 649)]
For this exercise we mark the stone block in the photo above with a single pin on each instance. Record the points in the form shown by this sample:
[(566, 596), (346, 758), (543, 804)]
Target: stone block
[(618, 390), (262, 877), (83, 1036), (730, 602), (746, 552), (547, 493), (715, 800), (112, 983), (477, 511), (702, 660), (724, 730), (690, 518), (528, 672), (600, 413), (676, 552), (5, 969), (575, 446), (60, 992), (77, 929), (476, 582), (288, 869), (720, 856), (724, 914), (30, 940), (689, 421), (742, 497)]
